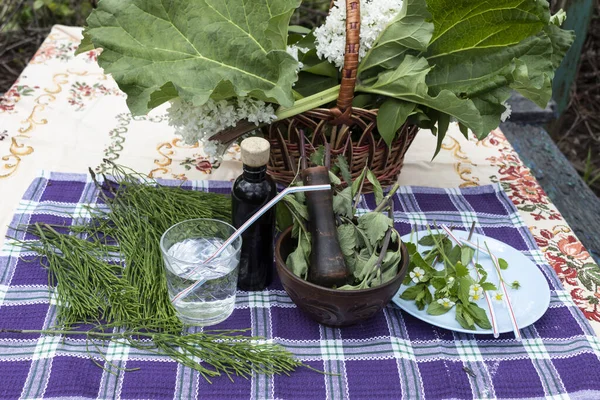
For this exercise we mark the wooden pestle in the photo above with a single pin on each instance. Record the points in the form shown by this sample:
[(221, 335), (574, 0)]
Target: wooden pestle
[(327, 265)]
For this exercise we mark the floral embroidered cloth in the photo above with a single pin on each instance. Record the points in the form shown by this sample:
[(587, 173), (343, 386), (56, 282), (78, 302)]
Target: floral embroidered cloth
[(64, 114), (391, 355)]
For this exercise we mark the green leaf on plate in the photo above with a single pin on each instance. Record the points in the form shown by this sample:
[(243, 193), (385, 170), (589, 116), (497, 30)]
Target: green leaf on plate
[(502, 263), (466, 255), (455, 255), (412, 292), (479, 316), (464, 285), (430, 240), (436, 308), (461, 270), (488, 286), (463, 318)]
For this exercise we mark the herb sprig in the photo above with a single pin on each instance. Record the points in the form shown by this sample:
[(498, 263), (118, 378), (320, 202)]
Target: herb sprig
[(454, 287), (107, 271), (369, 242)]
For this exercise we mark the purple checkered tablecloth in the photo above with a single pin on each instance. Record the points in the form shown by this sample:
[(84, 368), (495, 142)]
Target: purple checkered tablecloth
[(392, 355)]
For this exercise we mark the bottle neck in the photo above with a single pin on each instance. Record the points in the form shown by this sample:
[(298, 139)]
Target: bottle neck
[(255, 174)]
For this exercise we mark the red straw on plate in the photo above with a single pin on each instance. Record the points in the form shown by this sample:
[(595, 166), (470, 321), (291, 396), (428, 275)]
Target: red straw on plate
[(511, 313), (487, 295)]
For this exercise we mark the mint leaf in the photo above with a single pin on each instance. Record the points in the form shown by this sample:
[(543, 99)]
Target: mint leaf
[(204, 49), (342, 203), (342, 164), (358, 182), (423, 298), (297, 261), (375, 224), (377, 190), (318, 157), (417, 260), (335, 181), (347, 238), (364, 264), (295, 207)]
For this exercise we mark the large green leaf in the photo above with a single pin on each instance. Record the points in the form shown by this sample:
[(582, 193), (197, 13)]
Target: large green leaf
[(197, 49), (472, 53), (482, 49), (407, 82), (391, 116)]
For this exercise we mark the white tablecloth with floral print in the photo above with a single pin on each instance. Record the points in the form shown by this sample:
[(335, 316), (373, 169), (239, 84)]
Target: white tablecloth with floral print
[(64, 114)]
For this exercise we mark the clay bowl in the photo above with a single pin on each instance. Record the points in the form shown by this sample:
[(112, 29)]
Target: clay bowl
[(329, 306)]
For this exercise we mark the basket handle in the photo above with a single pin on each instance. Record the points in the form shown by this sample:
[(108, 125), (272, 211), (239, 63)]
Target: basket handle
[(343, 110)]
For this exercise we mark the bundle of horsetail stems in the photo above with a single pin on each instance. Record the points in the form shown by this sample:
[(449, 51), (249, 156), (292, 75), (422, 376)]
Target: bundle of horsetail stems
[(107, 271)]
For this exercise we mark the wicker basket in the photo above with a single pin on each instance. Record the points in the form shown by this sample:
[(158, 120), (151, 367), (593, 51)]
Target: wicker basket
[(341, 129)]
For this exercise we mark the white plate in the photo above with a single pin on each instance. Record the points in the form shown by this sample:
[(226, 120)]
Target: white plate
[(529, 302)]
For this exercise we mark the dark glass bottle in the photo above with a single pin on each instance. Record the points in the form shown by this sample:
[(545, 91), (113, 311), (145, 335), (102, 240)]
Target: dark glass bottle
[(252, 190)]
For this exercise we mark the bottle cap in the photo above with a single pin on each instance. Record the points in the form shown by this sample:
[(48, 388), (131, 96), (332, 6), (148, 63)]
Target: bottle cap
[(255, 151)]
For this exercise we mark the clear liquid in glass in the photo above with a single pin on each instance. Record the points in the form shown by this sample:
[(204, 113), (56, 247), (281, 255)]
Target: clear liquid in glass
[(212, 301)]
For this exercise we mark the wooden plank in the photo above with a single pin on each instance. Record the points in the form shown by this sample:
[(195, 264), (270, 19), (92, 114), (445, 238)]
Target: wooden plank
[(579, 14), (574, 199)]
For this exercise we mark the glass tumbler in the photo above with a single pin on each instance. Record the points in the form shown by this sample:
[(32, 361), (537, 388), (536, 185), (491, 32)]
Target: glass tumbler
[(185, 248)]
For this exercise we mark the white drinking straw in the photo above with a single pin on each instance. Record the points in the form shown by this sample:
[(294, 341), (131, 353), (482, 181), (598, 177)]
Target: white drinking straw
[(242, 229), (506, 297), (487, 295)]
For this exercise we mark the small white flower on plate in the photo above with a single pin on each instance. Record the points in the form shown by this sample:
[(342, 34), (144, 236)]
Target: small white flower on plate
[(499, 297), (475, 292), (475, 289), (446, 302), (417, 275)]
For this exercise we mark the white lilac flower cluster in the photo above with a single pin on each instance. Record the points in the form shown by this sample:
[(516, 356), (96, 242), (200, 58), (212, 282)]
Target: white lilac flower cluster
[(331, 36), (293, 51), (197, 123), (507, 111)]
